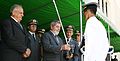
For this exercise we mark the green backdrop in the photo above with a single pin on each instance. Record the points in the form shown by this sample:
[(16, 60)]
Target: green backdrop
[(44, 12)]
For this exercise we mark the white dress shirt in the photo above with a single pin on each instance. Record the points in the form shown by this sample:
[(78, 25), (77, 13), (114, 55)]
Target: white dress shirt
[(32, 34)]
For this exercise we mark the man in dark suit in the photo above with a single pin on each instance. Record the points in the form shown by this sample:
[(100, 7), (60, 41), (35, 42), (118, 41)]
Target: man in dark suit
[(73, 54), (52, 43), (14, 44), (34, 41)]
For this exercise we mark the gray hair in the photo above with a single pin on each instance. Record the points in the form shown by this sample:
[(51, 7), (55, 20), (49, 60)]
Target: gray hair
[(53, 23), (14, 6)]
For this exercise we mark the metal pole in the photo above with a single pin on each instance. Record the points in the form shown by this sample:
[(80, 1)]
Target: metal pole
[(60, 20), (81, 32), (81, 18), (109, 33)]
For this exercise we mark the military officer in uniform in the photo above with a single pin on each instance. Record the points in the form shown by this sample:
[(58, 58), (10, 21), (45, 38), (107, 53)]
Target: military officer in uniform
[(96, 41), (72, 54), (33, 41)]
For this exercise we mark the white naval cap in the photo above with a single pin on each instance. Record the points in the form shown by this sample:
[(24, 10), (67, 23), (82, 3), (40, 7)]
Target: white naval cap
[(91, 1)]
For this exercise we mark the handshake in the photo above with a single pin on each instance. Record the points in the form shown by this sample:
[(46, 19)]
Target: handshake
[(27, 53), (66, 47)]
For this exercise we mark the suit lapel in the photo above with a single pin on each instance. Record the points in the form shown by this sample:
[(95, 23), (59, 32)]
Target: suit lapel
[(53, 37), (15, 23), (31, 38), (60, 41)]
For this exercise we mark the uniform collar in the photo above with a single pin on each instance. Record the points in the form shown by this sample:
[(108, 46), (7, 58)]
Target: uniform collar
[(31, 33), (91, 18), (69, 39)]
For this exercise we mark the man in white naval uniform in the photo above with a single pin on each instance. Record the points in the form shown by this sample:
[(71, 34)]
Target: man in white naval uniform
[(96, 41)]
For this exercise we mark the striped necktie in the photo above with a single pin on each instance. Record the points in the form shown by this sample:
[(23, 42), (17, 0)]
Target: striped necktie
[(57, 39)]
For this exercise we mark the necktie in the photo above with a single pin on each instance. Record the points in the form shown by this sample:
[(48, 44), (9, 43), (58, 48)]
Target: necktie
[(57, 39), (34, 37), (20, 25)]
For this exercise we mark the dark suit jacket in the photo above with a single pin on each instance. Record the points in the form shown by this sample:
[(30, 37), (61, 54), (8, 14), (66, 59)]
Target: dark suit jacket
[(34, 46), (13, 42), (52, 50)]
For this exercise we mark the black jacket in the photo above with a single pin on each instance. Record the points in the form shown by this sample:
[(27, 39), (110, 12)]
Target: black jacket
[(13, 42), (34, 46)]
